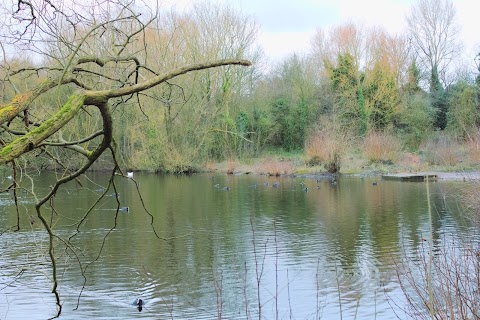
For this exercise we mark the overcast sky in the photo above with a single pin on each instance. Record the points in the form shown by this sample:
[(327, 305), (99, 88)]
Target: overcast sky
[(287, 26)]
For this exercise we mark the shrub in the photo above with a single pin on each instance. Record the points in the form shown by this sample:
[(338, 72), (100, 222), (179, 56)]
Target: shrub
[(381, 147), (463, 116), (232, 164), (442, 150), (414, 120), (275, 168), (473, 148), (327, 144)]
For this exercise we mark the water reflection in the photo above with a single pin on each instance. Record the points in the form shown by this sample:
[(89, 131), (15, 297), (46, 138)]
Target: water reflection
[(191, 249)]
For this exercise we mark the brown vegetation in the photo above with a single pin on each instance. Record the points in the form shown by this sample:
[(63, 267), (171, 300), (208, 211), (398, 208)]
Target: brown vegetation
[(275, 167), (473, 147), (442, 150), (445, 286), (327, 145), (382, 147)]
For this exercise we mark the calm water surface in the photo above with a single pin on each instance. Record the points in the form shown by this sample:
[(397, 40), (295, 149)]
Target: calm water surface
[(193, 250)]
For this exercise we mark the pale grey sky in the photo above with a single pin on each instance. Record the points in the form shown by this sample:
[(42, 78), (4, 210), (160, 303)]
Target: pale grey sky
[(287, 26)]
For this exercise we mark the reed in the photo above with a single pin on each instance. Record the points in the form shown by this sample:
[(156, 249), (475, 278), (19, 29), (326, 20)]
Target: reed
[(473, 148), (444, 282), (471, 200), (442, 150)]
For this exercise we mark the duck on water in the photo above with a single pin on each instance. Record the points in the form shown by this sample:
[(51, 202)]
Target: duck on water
[(139, 303)]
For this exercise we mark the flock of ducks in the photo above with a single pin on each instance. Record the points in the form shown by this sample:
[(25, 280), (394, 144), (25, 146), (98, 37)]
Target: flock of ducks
[(332, 179)]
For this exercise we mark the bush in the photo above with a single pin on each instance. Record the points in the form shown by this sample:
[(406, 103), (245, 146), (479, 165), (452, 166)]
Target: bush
[(473, 147), (442, 150), (381, 147), (327, 144), (275, 168), (415, 120), (463, 116)]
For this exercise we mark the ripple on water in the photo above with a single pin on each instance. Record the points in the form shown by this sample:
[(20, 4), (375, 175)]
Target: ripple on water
[(317, 251)]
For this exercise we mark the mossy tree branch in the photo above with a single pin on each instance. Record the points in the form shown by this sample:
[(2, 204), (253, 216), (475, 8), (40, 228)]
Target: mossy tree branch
[(38, 135)]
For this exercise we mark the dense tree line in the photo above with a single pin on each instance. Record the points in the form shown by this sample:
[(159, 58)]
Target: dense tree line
[(360, 79)]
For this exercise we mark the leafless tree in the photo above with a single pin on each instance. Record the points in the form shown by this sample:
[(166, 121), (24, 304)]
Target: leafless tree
[(434, 35)]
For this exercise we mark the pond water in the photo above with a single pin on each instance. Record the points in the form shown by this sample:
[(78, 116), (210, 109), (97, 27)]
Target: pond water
[(192, 250)]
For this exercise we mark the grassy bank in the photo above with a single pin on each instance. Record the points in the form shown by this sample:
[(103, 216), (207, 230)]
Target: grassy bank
[(353, 162)]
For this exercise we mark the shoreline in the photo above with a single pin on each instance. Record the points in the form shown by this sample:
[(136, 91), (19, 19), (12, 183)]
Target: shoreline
[(295, 167), (459, 175)]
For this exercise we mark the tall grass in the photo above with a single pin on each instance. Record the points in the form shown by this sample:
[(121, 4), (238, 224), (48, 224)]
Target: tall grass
[(273, 167), (442, 150), (473, 147), (382, 147)]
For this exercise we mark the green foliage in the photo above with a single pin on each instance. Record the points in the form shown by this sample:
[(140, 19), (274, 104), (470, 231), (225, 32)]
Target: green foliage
[(415, 119), (260, 130), (413, 79), (382, 96), (344, 76), (362, 111), (291, 122), (439, 100), (348, 95), (463, 116), (281, 119), (223, 142), (243, 123)]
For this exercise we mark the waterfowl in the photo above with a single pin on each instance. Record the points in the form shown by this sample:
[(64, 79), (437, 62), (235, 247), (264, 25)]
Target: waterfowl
[(124, 209), (276, 184), (375, 183), (115, 194), (305, 189), (139, 303), (226, 188), (130, 174)]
